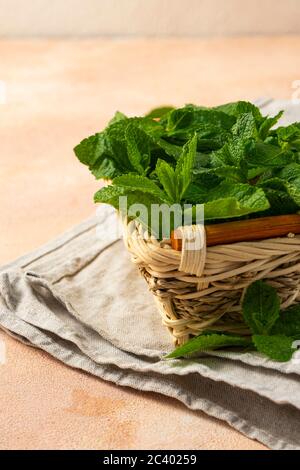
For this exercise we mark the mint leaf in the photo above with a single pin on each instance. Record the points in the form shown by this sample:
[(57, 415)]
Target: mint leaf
[(139, 147), (290, 173), (234, 200), (206, 342), (158, 113), (90, 149), (276, 347), (109, 195), (228, 172), (227, 200), (171, 149), (167, 178), (290, 177), (288, 181), (115, 135), (132, 182), (176, 182), (180, 119), (288, 323), (135, 201), (117, 117), (231, 173), (94, 153), (245, 126), (182, 123), (105, 169), (280, 196), (267, 155), (240, 107), (289, 137), (260, 307), (184, 167), (195, 194), (267, 124)]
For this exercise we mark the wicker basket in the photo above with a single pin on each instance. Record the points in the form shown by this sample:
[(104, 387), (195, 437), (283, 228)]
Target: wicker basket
[(203, 289)]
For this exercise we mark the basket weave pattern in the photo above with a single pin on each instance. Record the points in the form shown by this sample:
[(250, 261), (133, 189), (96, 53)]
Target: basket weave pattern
[(201, 290)]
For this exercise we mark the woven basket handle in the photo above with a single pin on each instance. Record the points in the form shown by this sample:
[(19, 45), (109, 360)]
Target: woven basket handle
[(193, 253)]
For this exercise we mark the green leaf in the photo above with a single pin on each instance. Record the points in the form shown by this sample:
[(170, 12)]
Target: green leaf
[(109, 195), (94, 153), (226, 208), (290, 173), (232, 153), (180, 119), (267, 155), (117, 117), (240, 107), (206, 342), (289, 136), (116, 137), (288, 322), (195, 194), (184, 167), (176, 182), (139, 147), (231, 173), (90, 149), (278, 195), (245, 126), (233, 200), (267, 124), (171, 149), (206, 122), (228, 200), (158, 113), (288, 182), (116, 144), (260, 307), (133, 182), (138, 204), (167, 178), (276, 347), (106, 169)]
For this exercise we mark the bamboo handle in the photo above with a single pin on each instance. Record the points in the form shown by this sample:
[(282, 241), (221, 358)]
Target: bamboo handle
[(247, 230)]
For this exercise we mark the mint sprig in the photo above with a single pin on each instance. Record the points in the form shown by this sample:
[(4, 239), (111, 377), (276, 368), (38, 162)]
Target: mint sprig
[(187, 149), (273, 331), (260, 307), (209, 341)]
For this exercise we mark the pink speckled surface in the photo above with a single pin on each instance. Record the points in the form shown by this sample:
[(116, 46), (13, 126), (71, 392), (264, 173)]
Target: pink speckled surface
[(59, 91), (47, 405)]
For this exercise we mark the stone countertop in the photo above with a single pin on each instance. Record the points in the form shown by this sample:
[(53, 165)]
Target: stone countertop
[(58, 92)]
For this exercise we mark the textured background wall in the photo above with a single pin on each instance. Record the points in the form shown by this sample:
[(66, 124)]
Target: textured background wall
[(148, 17)]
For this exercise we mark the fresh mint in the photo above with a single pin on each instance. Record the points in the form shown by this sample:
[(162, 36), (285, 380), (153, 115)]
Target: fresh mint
[(205, 342), (261, 306), (185, 149), (273, 331), (132, 183), (288, 322), (231, 159), (176, 181), (276, 347)]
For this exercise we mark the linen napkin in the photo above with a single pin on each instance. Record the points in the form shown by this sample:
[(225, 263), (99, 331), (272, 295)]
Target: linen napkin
[(82, 300)]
